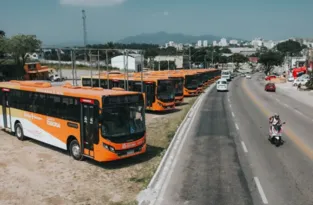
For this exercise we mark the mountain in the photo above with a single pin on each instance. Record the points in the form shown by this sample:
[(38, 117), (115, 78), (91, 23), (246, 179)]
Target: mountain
[(163, 37)]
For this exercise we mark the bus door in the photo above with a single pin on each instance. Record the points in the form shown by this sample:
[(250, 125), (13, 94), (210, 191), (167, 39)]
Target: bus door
[(150, 93), (89, 126), (6, 109)]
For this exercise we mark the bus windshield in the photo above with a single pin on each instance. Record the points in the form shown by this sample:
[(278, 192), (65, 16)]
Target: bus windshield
[(120, 119), (166, 91), (179, 86), (191, 82)]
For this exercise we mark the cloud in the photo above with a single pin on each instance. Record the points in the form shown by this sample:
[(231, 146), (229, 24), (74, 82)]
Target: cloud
[(91, 2), (165, 13)]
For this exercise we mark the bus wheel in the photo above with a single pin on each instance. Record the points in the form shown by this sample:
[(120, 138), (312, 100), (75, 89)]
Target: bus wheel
[(19, 131), (75, 150)]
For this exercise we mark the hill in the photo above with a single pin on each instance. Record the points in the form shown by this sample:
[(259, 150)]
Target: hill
[(163, 37)]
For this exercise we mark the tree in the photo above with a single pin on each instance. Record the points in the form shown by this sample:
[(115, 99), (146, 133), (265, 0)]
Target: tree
[(3, 44), (237, 58), (292, 47), (271, 59), (2, 33), (20, 45), (225, 50)]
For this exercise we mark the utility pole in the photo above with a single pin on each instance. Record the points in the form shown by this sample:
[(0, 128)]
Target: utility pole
[(189, 58), (85, 32)]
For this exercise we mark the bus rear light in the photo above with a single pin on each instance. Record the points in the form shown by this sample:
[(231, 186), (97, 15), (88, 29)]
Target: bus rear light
[(5, 90)]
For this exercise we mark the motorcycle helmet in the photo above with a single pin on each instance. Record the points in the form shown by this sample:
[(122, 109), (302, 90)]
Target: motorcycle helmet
[(276, 116)]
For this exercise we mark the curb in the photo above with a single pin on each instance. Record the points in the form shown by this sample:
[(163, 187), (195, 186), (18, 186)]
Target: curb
[(141, 197)]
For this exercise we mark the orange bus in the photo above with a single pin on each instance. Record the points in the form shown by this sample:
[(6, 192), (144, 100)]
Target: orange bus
[(159, 91), (101, 124), (178, 79)]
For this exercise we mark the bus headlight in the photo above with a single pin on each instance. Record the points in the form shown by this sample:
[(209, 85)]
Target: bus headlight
[(108, 147)]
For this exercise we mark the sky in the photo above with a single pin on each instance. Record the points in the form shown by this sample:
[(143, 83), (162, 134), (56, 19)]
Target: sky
[(60, 21)]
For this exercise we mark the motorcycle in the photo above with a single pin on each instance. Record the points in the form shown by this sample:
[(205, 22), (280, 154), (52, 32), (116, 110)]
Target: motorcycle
[(275, 135)]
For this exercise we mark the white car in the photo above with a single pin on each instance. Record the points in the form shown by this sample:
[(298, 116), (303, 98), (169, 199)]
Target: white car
[(248, 76), (291, 78), (221, 85), (301, 81)]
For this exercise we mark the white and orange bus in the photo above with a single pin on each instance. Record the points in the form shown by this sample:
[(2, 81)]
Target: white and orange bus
[(97, 123)]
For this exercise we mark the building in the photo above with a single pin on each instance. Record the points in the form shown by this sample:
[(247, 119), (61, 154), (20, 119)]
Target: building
[(205, 43), (215, 43), (233, 42), (134, 62), (223, 42), (199, 43), (269, 44), (244, 51), (257, 42), (180, 61)]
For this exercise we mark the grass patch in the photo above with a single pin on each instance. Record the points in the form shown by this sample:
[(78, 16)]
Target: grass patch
[(160, 132)]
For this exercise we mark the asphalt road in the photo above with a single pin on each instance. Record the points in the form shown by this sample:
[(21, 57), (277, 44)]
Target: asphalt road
[(208, 170), (227, 158)]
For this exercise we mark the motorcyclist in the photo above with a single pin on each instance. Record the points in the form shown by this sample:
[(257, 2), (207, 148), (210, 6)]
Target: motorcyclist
[(274, 120)]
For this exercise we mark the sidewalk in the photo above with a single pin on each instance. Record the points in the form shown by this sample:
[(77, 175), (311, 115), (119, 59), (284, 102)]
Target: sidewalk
[(305, 97)]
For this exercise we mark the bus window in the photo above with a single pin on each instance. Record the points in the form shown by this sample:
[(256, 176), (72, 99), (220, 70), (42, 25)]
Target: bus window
[(166, 91), (121, 119)]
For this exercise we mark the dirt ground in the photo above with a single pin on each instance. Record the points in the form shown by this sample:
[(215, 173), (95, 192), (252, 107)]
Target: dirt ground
[(33, 173)]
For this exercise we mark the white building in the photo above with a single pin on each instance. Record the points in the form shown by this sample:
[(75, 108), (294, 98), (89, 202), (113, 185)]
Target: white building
[(257, 42), (269, 44), (215, 43), (134, 62), (223, 42), (205, 43), (199, 43), (180, 61), (233, 42), (243, 51)]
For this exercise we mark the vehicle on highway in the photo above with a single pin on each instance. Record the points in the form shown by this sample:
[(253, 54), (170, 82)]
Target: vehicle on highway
[(270, 87), (221, 85), (226, 74), (291, 78), (248, 76), (300, 81), (97, 123), (275, 134), (269, 77)]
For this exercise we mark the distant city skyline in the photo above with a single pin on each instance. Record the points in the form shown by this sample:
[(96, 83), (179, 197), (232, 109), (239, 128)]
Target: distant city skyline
[(58, 21)]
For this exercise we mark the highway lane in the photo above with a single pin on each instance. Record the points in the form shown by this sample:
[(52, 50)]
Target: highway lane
[(284, 173), (208, 170), (279, 96)]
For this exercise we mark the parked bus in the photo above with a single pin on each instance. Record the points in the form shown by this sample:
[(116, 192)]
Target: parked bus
[(101, 124), (177, 78), (159, 90)]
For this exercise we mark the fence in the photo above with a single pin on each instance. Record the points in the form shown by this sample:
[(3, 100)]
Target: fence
[(93, 59)]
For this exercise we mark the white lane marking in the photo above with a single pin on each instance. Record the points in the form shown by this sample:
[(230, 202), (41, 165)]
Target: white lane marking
[(244, 146), (260, 189), (236, 126), (232, 113), (228, 100), (230, 105)]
